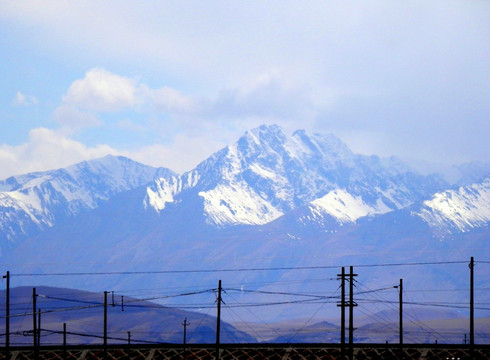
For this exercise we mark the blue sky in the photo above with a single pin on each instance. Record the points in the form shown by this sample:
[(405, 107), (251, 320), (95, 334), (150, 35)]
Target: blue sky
[(168, 83)]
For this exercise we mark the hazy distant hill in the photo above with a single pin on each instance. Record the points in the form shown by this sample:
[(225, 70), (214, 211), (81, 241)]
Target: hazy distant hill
[(82, 312), (149, 322)]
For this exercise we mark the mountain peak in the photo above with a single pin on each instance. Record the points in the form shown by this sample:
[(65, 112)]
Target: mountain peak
[(262, 138), (266, 174), (328, 145), (266, 130), (30, 203)]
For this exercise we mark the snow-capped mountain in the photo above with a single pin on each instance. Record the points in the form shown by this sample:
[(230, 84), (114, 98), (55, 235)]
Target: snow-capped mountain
[(267, 174), (293, 184), (268, 200), (33, 202), (459, 210)]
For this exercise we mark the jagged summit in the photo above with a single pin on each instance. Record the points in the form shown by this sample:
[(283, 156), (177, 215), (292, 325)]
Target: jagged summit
[(266, 174), (328, 145)]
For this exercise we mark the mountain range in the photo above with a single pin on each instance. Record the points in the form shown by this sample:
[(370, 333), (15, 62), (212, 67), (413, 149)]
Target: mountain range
[(271, 211), (34, 202)]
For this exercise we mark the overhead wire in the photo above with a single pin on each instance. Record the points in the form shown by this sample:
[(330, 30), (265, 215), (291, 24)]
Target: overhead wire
[(311, 317), (254, 315), (233, 270), (276, 293), (310, 298), (377, 299), (99, 336), (206, 314), (389, 322), (416, 321)]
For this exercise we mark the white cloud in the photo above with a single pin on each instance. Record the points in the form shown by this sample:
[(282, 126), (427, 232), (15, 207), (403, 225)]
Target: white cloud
[(45, 150), (170, 99), (72, 118), (270, 96), (101, 90), (128, 124), (48, 149), (104, 91), (22, 99), (413, 74), (183, 154)]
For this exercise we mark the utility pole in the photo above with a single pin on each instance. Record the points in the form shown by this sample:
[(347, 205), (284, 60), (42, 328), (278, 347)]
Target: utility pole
[(351, 312), (185, 324), (472, 308), (105, 320), (64, 339), (7, 316), (342, 313), (400, 321), (34, 320), (129, 345), (218, 321), (38, 327), (34, 324), (64, 335)]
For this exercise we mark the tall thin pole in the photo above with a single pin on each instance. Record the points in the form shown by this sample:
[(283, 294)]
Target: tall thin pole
[(64, 335), (34, 324), (64, 339), (38, 327), (472, 308), (105, 319), (342, 314), (400, 322), (7, 316), (34, 320), (185, 324), (351, 313), (218, 321)]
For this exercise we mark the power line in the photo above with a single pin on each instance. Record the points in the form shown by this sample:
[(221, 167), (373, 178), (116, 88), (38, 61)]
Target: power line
[(97, 336), (276, 293), (234, 270)]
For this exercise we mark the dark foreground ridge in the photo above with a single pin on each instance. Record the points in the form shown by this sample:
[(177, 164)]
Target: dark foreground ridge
[(252, 351)]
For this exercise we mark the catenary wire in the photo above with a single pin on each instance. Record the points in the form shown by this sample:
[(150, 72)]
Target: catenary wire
[(233, 270)]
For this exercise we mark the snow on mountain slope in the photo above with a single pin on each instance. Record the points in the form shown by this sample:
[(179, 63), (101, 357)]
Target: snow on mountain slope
[(160, 193), (32, 202), (462, 209), (237, 204), (267, 174), (164, 190), (345, 207)]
